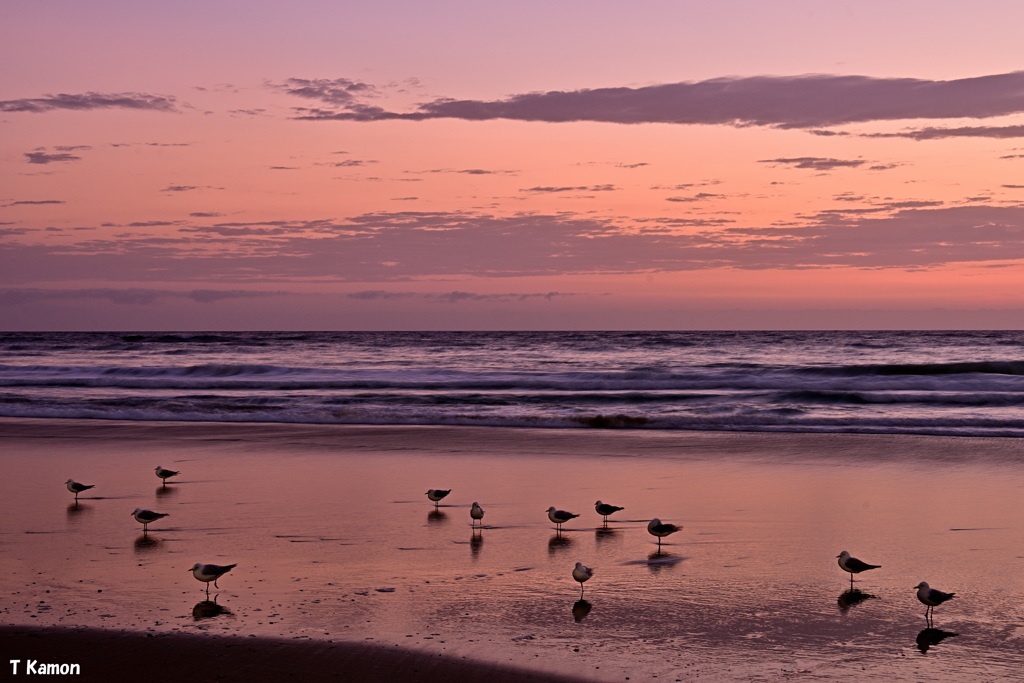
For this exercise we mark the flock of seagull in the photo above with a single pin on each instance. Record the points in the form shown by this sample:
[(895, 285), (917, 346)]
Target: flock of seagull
[(928, 596), (206, 573)]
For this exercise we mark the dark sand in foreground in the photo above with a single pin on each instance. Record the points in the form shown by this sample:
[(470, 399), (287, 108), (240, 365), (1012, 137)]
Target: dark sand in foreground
[(339, 552), (106, 655)]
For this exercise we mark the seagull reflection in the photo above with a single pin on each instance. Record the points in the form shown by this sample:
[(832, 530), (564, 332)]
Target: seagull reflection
[(76, 509), (580, 609), (475, 543), (208, 609), (851, 597), (558, 542), (931, 637), (145, 543), (436, 516), (164, 491), (604, 533), (659, 560)]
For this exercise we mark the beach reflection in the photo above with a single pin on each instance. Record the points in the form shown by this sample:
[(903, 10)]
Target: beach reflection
[(77, 509), (558, 542), (208, 609), (436, 516), (580, 609), (146, 543), (930, 637), (849, 598), (660, 560)]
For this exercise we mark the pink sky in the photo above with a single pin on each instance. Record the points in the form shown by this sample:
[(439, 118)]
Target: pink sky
[(455, 165)]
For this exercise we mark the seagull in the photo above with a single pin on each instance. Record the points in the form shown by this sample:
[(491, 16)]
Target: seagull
[(656, 528), (604, 509), (559, 517), (145, 517), (77, 488), (931, 597), (165, 474), (437, 494), (853, 565), (210, 572), (476, 513), (581, 573)]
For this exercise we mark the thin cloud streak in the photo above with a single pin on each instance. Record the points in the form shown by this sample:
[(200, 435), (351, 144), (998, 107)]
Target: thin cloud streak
[(128, 296), (48, 158), (90, 100)]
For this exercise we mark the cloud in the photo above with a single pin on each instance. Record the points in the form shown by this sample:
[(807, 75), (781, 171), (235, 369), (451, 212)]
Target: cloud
[(699, 197), (129, 296), (578, 188), (338, 91), (90, 100), (348, 163), (465, 171), (35, 202), (180, 188), (937, 133), (205, 214), (48, 158), (453, 297), (814, 163), (808, 102), (411, 246)]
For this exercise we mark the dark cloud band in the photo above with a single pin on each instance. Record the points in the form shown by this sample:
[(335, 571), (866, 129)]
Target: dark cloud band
[(810, 101)]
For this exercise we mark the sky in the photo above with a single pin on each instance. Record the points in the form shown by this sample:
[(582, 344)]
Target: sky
[(325, 165)]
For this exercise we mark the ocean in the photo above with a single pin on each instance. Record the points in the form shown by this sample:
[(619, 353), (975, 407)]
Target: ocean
[(941, 383)]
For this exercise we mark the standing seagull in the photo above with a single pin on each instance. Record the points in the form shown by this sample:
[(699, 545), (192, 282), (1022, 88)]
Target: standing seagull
[(145, 517), (77, 488), (853, 565), (165, 474), (210, 572), (476, 513), (581, 574), (437, 494), (931, 597), (604, 509), (656, 528), (559, 517)]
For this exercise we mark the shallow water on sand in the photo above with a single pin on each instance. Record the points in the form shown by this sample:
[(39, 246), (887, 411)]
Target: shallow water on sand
[(334, 538)]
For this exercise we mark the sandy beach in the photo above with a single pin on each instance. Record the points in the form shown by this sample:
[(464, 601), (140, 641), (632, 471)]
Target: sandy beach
[(340, 552)]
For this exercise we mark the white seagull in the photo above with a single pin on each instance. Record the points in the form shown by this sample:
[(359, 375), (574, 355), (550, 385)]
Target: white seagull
[(604, 509), (77, 488), (165, 474), (476, 513), (655, 527), (559, 517), (581, 573), (931, 597), (145, 517), (437, 494), (853, 565), (210, 572)]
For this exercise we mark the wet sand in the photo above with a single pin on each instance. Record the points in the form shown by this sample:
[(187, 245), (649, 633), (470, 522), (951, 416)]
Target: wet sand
[(337, 547)]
